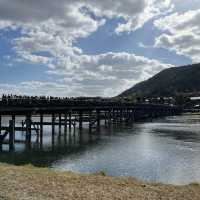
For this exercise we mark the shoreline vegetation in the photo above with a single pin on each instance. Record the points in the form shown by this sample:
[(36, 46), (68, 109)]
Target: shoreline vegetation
[(30, 183)]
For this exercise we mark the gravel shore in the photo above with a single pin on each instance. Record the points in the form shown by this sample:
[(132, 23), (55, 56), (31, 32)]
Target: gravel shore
[(31, 183)]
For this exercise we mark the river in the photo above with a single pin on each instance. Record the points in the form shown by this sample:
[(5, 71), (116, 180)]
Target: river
[(166, 150)]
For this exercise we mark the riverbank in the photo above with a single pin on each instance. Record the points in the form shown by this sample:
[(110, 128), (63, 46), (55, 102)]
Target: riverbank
[(28, 182)]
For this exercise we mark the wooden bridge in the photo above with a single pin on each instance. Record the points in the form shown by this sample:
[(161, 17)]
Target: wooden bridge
[(71, 114)]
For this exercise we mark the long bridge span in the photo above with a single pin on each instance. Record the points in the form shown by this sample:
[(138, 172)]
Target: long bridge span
[(69, 114)]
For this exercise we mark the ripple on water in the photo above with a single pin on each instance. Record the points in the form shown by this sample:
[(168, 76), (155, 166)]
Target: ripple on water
[(166, 150)]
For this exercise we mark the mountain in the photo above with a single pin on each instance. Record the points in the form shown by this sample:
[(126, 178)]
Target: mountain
[(169, 82)]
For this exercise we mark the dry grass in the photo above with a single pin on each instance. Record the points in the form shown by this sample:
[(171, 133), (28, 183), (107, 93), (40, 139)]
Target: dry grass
[(30, 183)]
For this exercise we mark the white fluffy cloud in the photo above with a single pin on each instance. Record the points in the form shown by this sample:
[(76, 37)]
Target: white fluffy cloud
[(152, 9), (181, 34), (113, 71), (37, 88), (49, 29), (99, 75), (69, 13)]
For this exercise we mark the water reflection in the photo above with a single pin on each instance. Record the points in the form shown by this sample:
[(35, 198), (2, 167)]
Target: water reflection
[(166, 150)]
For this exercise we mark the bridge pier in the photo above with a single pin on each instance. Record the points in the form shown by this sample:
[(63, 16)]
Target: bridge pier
[(0, 124), (11, 135), (53, 130), (13, 119), (28, 131), (70, 120), (65, 126), (98, 112), (110, 117), (128, 116), (132, 115), (80, 120), (136, 117), (90, 121), (41, 130), (59, 126), (105, 117)]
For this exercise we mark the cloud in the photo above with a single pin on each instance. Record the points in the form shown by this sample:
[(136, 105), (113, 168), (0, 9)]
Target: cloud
[(49, 30), (181, 33), (37, 88), (73, 13), (111, 72), (152, 9), (94, 75)]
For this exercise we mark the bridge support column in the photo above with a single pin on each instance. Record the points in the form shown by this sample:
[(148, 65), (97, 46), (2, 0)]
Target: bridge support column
[(41, 130), (53, 130), (132, 116), (65, 128), (105, 117), (0, 134), (59, 126), (90, 121), (121, 115), (98, 118), (28, 131), (113, 116), (109, 117), (11, 135), (70, 120), (0, 124), (150, 114), (127, 115), (13, 119), (70, 127), (80, 120), (135, 115)]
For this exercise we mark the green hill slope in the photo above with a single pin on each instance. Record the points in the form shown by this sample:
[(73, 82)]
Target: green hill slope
[(169, 82)]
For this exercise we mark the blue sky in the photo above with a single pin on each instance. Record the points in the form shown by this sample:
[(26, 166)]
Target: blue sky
[(93, 48), (105, 40)]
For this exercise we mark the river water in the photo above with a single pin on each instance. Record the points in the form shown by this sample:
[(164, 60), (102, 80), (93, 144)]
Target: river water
[(166, 150)]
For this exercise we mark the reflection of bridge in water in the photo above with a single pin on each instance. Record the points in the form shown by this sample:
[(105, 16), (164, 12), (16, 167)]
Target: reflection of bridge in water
[(69, 115)]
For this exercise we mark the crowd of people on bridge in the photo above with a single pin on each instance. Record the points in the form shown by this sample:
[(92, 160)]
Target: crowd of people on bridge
[(50, 100), (6, 97), (10, 99)]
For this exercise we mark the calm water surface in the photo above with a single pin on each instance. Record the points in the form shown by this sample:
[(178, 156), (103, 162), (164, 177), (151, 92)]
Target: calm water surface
[(165, 150)]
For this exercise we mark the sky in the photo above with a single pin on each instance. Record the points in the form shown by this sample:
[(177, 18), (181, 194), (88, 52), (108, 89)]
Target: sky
[(92, 47)]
